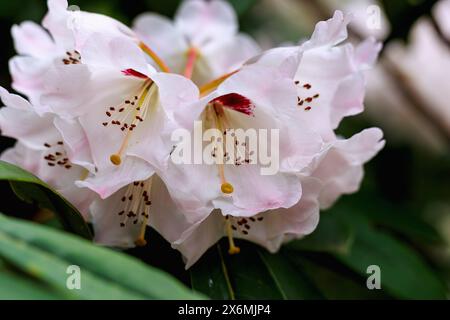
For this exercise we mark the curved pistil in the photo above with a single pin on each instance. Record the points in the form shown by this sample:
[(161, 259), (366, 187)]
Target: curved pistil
[(233, 249)]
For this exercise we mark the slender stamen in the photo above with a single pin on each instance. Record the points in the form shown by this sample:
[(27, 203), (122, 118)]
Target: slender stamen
[(225, 186), (116, 158), (161, 64), (192, 56), (233, 249), (140, 241), (207, 88)]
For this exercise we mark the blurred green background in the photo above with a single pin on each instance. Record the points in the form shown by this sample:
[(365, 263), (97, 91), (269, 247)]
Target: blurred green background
[(406, 190)]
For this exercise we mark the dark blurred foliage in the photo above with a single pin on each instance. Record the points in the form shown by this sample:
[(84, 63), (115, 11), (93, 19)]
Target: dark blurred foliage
[(401, 180), (403, 14)]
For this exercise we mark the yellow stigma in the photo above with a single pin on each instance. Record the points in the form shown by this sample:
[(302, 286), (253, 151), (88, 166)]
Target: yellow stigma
[(227, 188), (232, 249), (115, 159), (140, 242)]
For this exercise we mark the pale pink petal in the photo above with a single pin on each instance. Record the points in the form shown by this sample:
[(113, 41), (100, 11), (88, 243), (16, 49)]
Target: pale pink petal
[(76, 143), (62, 88), (109, 180), (100, 51), (31, 39), (441, 12), (107, 223), (200, 237), (340, 169), (18, 120), (160, 34), (330, 32), (229, 55), (204, 21)]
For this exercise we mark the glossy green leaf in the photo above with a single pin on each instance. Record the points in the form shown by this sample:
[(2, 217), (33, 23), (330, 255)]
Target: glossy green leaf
[(17, 286), (252, 274), (29, 188), (210, 276), (405, 223), (45, 254), (404, 274), (332, 235), (334, 282)]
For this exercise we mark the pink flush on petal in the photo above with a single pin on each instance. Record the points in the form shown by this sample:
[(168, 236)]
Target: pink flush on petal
[(134, 73), (236, 102)]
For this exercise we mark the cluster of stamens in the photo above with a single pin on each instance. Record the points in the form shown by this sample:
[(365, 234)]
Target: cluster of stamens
[(215, 114), (136, 207), (306, 102), (136, 203), (241, 225), (57, 156), (240, 149), (72, 57), (129, 114), (120, 115)]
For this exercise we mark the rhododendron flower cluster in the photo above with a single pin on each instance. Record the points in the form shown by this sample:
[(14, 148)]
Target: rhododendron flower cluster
[(104, 101)]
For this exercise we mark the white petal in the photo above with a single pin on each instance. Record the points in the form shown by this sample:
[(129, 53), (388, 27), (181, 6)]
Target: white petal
[(200, 237), (254, 193), (160, 34), (58, 22), (330, 32), (31, 39), (340, 169), (203, 21), (230, 55), (114, 53), (76, 143), (62, 88), (18, 120), (109, 180), (441, 12), (106, 222)]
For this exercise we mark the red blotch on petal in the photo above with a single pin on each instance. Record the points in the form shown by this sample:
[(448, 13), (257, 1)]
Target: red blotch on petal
[(134, 73), (236, 102)]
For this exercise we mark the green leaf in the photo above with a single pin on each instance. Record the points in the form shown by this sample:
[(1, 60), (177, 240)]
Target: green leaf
[(210, 276), (252, 274), (406, 223), (290, 280), (333, 282), (29, 188), (16, 286), (45, 254), (242, 6), (333, 235), (403, 273)]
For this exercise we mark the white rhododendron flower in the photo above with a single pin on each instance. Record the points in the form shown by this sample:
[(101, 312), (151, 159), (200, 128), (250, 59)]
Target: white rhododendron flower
[(41, 149), (186, 126), (254, 98), (42, 48), (203, 41), (329, 85)]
